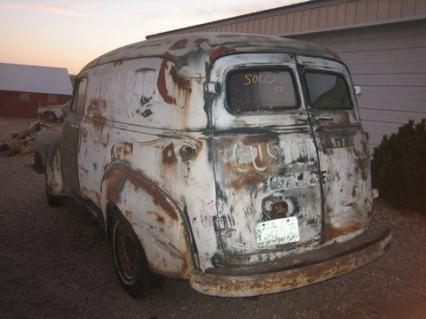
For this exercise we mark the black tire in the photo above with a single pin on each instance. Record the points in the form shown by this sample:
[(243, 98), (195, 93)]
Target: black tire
[(38, 163), (54, 201), (44, 116), (129, 258), (51, 117)]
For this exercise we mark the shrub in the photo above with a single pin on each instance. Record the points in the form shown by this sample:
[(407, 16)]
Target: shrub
[(399, 167)]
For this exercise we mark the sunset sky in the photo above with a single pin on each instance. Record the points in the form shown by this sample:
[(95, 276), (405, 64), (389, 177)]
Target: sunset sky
[(72, 33)]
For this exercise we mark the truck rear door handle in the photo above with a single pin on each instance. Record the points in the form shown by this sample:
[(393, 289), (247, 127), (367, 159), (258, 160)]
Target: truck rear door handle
[(324, 118)]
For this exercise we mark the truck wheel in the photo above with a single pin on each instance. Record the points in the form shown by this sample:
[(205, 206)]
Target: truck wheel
[(38, 163), (54, 201), (51, 117), (130, 262)]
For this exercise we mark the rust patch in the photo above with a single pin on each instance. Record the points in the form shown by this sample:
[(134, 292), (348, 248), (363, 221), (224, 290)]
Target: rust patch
[(253, 159), (362, 166), (254, 139), (349, 227), (336, 137), (341, 119), (175, 252), (95, 111), (106, 142), (123, 150), (218, 52), (158, 218), (116, 176), (199, 143), (169, 156), (115, 182), (247, 179), (83, 134)]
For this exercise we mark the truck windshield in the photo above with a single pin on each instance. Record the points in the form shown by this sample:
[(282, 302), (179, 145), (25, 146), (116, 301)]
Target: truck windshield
[(261, 90), (328, 90)]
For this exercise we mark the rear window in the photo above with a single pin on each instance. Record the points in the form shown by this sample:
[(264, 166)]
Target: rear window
[(260, 90), (328, 90)]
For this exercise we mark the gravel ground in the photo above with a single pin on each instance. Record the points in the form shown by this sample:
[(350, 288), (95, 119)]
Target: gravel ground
[(56, 263)]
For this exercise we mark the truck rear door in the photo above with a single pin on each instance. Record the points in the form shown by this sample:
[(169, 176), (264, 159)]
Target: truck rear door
[(266, 165), (342, 146)]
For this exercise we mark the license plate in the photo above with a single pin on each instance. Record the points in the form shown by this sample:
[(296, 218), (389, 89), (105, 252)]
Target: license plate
[(277, 232)]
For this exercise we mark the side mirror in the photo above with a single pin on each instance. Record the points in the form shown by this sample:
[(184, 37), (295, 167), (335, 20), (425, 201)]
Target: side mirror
[(358, 90)]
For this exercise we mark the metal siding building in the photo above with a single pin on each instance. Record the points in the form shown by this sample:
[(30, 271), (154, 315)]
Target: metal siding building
[(382, 41), (23, 88)]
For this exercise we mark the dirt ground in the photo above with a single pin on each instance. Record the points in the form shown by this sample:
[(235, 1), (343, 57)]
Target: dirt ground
[(56, 263)]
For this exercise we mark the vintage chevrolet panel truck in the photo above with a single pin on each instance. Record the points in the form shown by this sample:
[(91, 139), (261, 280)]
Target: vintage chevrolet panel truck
[(235, 161)]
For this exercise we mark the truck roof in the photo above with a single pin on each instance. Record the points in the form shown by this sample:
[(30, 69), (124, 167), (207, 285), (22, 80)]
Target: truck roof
[(178, 48)]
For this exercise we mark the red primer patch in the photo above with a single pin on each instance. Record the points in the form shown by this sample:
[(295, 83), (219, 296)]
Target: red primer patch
[(161, 82), (200, 41), (218, 52), (180, 44)]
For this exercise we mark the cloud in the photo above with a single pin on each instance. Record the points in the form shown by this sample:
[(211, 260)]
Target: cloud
[(42, 7), (188, 15), (247, 7)]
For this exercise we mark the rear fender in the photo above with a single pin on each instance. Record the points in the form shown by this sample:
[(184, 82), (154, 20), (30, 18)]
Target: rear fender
[(156, 218)]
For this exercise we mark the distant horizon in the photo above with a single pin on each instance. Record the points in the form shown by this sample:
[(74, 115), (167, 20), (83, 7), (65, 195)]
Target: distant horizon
[(69, 35)]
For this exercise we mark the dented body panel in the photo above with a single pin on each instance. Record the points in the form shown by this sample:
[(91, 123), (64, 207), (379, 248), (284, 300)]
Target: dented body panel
[(152, 134)]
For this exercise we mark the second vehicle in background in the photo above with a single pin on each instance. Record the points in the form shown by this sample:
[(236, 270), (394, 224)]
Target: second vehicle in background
[(54, 112)]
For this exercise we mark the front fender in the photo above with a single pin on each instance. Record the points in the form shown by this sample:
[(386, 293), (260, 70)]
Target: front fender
[(156, 218), (48, 147)]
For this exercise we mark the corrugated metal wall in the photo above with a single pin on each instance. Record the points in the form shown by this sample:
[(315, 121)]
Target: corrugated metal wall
[(389, 62), (327, 16), (316, 16), (382, 41)]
